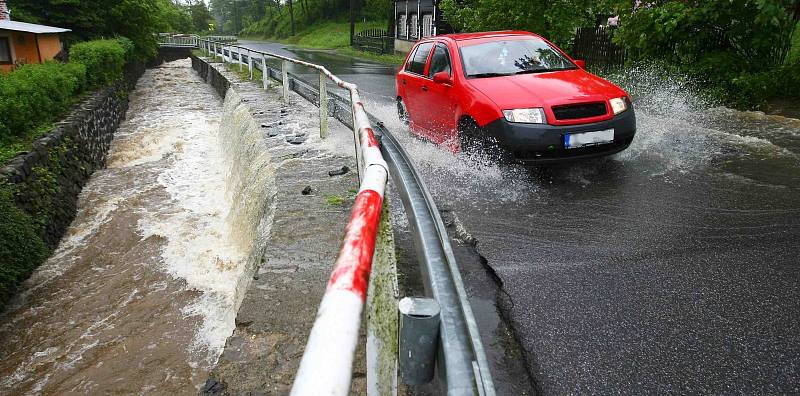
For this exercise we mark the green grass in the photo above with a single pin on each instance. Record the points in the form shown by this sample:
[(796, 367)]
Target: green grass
[(335, 36), (335, 200)]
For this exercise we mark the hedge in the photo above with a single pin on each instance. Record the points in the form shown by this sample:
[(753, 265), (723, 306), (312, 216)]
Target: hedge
[(33, 95), (104, 60)]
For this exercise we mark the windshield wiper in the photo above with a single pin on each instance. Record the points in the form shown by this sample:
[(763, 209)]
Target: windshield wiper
[(482, 75), (531, 71)]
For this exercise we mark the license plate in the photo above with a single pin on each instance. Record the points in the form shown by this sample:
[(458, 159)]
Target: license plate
[(575, 140)]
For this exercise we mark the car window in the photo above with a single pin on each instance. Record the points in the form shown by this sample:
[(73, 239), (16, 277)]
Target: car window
[(495, 58), (411, 59), (417, 64), (440, 61)]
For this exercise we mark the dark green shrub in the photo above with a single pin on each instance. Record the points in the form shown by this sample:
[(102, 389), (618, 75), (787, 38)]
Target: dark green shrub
[(104, 60), (21, 247), (34, 94)]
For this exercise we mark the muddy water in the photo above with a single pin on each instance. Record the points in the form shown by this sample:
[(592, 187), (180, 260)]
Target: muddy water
[(141, 293)]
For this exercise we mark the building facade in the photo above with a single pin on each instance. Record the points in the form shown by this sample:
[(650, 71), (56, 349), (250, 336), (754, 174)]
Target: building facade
[(416, 19), (22, 43)]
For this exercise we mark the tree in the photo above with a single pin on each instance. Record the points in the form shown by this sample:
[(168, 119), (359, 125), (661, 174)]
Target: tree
[(137, 20), (554, 19)]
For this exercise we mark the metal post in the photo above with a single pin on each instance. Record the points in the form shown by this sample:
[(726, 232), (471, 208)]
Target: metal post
[(285, 79), (250, 62), (357, 141), (419, 339), (241, 61), (323, 106), (264, 71)]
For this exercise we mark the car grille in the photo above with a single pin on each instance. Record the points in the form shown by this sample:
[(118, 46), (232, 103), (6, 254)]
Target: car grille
[(583, 110)]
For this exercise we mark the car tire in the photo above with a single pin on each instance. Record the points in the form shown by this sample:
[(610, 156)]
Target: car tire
[(402, 113), (476, 142)]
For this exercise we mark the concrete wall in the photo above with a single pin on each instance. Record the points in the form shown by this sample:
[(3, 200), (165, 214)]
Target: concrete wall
[(47, 179), (402, 47)]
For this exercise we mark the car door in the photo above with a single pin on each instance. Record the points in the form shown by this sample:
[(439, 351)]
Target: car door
[(412, 80), (437, 98)]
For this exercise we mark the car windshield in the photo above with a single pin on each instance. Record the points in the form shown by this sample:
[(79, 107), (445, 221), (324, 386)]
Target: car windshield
[(505, 58)]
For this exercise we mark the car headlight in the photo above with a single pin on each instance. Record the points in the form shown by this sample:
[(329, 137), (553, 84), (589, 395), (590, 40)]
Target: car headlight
[(618, 105), (526, 116)]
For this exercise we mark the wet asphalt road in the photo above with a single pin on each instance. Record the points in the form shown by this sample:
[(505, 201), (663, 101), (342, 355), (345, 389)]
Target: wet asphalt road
[(669, 268)]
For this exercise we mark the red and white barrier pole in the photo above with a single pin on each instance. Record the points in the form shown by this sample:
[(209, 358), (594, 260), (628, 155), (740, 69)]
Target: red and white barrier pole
[(327, 364)]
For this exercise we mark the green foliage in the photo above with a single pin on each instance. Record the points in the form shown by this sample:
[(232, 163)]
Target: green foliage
[(104, 60), (93, 19), (34, 94), (741, 49), (554, 19), (21, 247)]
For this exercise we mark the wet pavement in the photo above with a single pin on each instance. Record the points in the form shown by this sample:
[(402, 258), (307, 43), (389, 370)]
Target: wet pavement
[(669, 268)]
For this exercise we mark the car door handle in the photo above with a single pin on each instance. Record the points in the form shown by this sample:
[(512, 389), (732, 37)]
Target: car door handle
[(425, 88), (404, 82)]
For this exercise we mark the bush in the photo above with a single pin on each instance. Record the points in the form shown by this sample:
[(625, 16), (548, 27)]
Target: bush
[(35, 93), (104, 60), (21, 247)]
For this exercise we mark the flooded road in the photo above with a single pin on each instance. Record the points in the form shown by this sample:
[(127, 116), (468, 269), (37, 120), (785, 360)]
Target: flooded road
[(141, 293), (671, 267)]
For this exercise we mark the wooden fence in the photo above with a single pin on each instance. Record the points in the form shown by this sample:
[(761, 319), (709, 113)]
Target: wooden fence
[(594, 45), (374, 40)]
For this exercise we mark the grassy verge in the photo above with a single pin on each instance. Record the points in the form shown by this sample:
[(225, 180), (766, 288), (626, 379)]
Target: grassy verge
[(335, 36)]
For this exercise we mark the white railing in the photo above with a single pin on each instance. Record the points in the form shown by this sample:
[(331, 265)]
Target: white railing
[(326, 366)]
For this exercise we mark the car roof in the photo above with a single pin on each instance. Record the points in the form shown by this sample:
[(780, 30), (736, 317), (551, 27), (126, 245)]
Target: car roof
[(485, 35)]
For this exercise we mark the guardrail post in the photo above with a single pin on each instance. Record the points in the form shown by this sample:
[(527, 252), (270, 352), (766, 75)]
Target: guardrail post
[(419, 339), (241, 61), (285, 79), (250, 62), (357, 141), (265, 71), (323, 106)]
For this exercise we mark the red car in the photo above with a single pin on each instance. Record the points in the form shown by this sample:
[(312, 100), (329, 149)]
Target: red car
[(511, 93)]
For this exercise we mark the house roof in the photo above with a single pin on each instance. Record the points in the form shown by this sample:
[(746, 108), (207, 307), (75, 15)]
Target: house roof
[(29, 27)]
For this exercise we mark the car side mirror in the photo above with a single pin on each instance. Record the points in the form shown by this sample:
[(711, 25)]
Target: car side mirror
[(443, 78), (581, 63)]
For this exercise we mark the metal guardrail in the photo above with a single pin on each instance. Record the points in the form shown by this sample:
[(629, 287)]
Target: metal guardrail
[(190, 40), (326, 366)]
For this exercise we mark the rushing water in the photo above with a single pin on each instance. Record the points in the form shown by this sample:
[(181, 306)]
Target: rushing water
[(142, 292)]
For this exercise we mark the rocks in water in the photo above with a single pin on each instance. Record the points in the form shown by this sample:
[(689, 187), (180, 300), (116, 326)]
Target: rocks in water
[(339, 172), (212, 387), (296, 139), (272, 124), (307, 190)]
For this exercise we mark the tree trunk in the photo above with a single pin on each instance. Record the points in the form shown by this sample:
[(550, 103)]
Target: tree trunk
[(352, 21)]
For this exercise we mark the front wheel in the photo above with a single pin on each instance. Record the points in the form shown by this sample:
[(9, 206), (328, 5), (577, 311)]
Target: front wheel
[(476, 142)]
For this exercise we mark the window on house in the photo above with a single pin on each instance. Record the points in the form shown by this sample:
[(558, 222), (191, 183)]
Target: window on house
[(402, 26), (5, 51), (427, 25), (414, 26)]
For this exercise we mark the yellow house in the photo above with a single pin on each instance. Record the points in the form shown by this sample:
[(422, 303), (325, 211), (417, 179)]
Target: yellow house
[(22, 43)]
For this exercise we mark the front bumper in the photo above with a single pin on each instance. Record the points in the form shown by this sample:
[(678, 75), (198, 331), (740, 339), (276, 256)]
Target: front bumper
[(538, 143)]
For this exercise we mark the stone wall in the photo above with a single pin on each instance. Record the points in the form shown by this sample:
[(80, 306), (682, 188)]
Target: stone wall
[(47, 179), (211, 75)]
